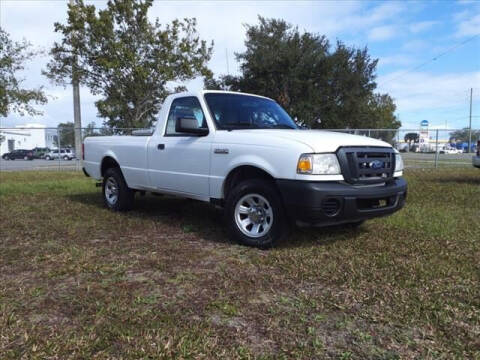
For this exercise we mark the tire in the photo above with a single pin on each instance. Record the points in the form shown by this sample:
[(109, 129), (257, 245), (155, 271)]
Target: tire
[(47, 158), (25, 158), (117, 196), (6, 158), (65, 158), (254, 214)]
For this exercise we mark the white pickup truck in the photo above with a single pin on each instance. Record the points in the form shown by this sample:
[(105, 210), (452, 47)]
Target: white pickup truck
[(476, 157), (243, 152)]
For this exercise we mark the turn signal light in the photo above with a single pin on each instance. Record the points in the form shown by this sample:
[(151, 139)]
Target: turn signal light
[(304, 165)]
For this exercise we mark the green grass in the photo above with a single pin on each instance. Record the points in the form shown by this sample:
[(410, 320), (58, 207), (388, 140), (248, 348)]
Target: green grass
[(162, 281)]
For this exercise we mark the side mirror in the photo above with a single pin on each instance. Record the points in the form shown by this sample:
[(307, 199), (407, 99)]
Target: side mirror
[(189, 126)]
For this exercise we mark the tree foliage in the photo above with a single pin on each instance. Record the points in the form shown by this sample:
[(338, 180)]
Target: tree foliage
[(125, 58), (67, 134), (320, 86), (412, 137), (463, 135), (13, 97)]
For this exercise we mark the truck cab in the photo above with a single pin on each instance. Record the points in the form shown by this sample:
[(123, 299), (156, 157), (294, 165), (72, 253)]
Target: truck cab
[(243, 152)]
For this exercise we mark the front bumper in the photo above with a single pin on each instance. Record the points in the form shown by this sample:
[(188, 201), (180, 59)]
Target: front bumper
[(329, 203)]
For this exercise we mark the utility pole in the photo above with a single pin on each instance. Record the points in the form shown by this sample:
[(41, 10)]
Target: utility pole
[(77, 117), (470, 126)]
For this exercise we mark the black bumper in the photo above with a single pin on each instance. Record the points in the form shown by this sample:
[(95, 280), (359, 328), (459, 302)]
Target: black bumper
[(329, 203)]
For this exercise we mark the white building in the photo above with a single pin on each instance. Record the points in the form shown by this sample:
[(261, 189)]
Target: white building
[(27, 137)]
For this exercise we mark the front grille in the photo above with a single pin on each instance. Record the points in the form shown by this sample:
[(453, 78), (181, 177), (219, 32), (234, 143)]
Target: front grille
[(366, 165)]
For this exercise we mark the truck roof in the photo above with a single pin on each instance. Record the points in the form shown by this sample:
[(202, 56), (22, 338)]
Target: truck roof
[(203, 91)]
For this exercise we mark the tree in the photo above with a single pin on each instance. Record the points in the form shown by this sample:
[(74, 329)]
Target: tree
[(66, 133), (412, 137), (320, 87), (463, 135), (89, 130), (14, 98), (126, 59)]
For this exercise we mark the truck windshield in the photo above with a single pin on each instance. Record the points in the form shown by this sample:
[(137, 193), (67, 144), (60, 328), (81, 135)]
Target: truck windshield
[(232, 111)]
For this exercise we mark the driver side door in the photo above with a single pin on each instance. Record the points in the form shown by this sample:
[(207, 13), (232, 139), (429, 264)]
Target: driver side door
[(180, 162)]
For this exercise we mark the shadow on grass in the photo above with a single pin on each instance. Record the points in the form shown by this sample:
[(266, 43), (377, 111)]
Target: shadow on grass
[(190, 216), (206, 221), (458, 180)]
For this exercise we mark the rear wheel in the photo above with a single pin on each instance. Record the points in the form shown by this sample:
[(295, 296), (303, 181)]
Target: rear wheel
[(117, 195), (47, 157), (255, 215), (65, 158)]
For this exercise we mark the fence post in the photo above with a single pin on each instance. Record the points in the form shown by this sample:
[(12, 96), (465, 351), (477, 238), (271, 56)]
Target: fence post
[(58, 143), (436, 148)]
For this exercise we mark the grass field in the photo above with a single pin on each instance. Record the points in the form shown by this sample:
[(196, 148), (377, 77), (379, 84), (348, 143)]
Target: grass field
[(162, 281)]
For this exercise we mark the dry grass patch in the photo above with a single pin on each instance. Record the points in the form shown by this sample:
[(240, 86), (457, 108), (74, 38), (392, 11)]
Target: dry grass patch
[(162, 281)]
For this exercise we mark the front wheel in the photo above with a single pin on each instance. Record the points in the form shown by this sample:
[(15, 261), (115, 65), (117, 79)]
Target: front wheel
[(47, 157), (65, 158), (255, 215), (117, 196)]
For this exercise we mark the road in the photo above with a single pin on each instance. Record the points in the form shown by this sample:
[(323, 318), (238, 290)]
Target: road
[(427, 160), (38, 164)]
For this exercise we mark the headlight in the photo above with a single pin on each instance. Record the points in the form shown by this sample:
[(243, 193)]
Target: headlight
[(318, 164), (398, 163)]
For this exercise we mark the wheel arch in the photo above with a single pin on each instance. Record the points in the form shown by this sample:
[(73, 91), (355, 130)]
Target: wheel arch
[(108, 162), (241, 173)]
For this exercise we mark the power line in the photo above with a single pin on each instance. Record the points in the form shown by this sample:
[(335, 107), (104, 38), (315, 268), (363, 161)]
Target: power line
[(436, 57)]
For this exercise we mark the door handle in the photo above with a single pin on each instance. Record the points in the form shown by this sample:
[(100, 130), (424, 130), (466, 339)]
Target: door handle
[(161, 146)]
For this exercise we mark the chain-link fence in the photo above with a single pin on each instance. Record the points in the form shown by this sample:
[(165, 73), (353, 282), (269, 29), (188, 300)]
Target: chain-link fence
[(33, 147), (427, 148)]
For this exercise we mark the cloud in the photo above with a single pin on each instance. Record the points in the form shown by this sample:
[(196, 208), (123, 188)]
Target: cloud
[(468, 27), (415, 45), (222, 22), (381, 33), (420, 90), (397, 60), (421, 26)]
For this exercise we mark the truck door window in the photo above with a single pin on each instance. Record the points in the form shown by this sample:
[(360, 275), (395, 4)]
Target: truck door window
[(186, 107)]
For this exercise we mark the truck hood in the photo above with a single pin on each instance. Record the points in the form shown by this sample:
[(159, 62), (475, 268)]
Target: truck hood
[(317, 140)]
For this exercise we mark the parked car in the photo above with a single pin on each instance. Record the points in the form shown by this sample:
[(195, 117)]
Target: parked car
[(65, 154), (40, 152), (243, 152), (403, 147), (18, 154), (450, 150), (476, 157)]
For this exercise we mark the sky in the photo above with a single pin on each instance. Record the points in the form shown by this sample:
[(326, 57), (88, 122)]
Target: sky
[(428, 51)]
